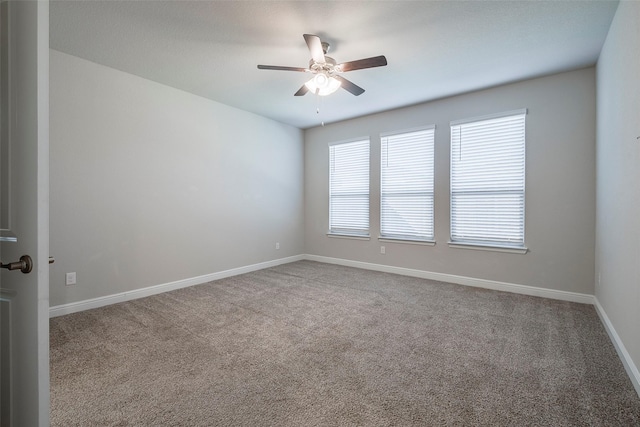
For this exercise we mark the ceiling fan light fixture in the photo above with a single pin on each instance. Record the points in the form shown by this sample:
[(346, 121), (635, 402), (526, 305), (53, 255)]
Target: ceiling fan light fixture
[(322, 84)]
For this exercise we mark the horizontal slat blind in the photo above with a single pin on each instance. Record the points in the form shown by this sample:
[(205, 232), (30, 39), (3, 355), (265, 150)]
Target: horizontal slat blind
[(406, 185), (349, 188), (487, 181)]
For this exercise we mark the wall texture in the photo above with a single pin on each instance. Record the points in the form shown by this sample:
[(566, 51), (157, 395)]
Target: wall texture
[(618, 177), (560, 185), (151, 185)]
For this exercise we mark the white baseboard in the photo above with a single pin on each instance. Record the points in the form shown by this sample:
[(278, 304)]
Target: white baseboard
[(75, 307), (461, 280), (629, 366)]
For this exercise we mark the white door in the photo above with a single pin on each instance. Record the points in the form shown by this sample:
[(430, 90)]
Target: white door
[(24, 185)]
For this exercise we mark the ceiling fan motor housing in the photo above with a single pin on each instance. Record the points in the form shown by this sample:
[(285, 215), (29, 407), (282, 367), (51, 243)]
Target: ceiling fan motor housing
[(329, 67)]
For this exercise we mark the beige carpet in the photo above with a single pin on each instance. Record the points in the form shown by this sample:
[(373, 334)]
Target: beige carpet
[(311, 344)]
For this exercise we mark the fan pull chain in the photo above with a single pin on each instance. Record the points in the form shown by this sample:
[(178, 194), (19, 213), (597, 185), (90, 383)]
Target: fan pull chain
[(318, 101)]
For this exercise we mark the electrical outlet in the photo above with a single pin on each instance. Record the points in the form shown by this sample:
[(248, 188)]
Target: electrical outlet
[(383, 250), (277, 245), (70, 278)]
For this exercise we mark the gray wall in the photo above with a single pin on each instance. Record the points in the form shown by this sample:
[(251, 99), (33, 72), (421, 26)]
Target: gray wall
[(151, 185), (560, 185), (618, 177)]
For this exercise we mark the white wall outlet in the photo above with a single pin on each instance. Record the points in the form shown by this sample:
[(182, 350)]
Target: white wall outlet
[(277, 245), (383, 250), (70, 278)]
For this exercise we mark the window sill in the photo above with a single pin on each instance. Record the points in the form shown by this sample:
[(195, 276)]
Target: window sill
[(407, 241), (348, 236), (480, 247)]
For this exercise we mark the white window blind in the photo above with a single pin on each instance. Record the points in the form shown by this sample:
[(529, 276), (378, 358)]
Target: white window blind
[(349, 188), (406, 185), (487, 180)]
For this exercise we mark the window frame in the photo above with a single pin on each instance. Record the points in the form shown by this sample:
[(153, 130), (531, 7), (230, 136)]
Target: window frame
[(408, 237), (491, 243), (345, 232)]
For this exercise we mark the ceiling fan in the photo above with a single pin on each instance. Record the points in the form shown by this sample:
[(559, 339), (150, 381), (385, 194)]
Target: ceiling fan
[(327, 78)]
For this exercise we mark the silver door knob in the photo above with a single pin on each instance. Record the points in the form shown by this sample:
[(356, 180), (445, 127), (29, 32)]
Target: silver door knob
[(25, 264)]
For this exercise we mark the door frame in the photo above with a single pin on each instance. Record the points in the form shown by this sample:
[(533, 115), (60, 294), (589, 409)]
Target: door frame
[(28, 127)]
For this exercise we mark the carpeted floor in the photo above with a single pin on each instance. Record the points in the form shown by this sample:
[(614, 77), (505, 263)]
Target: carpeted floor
[(311, 344)]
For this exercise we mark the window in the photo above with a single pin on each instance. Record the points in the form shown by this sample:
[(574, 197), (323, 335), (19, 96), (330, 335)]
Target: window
[(487, 180), (349, 188), (406, 185)]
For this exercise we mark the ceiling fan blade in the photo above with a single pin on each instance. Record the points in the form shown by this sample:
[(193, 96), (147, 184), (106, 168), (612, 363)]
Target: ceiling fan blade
[(349, 86), (302, 91), (315, 47), (277, 67), (375, 61)]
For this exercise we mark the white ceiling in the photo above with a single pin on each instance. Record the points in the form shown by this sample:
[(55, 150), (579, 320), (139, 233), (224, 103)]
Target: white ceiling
[(434, 49)]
